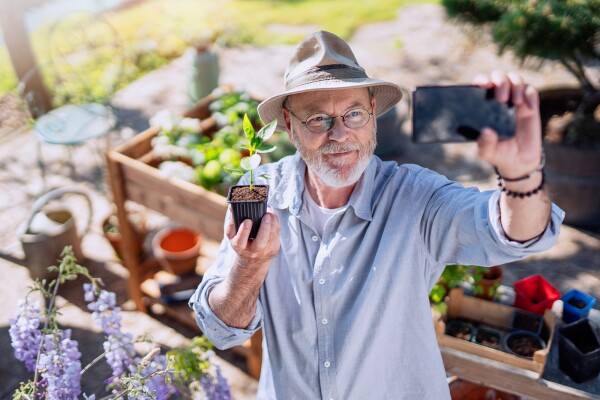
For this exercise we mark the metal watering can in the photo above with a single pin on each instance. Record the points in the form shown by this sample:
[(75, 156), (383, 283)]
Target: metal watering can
[(49, 229)]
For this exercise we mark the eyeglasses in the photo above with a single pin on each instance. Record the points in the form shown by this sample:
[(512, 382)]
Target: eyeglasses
[(320, 123)]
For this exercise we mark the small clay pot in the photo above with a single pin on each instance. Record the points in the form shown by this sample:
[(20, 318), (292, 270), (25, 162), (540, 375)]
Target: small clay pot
[(523, 343), (177, 249)]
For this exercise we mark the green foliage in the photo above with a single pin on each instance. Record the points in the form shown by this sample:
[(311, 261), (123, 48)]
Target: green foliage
[(452, 276), (189, 363), (480, 273)]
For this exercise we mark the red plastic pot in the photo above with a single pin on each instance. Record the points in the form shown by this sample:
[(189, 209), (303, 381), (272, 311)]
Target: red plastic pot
[(535, 294), (177, 249)]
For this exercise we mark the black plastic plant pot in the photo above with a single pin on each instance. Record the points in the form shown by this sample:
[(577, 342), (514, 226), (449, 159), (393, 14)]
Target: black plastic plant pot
[(579, 350), (526, 321), (488, 337), (460, 329), (251, 207), (523, 343)]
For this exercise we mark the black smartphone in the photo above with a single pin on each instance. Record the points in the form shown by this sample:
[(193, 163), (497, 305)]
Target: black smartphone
[(458, 113)]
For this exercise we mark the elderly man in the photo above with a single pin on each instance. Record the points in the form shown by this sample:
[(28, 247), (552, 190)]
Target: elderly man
[(339, 274)]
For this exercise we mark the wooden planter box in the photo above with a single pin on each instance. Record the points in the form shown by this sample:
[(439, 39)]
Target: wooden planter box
[(494, 315), (133, 176), (182, 201)]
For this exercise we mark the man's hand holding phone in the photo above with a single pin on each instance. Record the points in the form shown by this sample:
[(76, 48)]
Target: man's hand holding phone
[(499, 111), (521, 154)]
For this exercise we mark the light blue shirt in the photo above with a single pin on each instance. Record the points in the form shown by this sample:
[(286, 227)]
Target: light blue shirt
[(346, 315)]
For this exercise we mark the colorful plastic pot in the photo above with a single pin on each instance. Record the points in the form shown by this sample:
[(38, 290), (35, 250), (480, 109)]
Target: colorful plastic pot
[(535, 294), (177, 249), (576, 305)]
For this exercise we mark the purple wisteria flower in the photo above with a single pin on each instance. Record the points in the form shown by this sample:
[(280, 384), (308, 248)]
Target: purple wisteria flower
[(25, 333), (120, 353), (215, 385), (61, 366)]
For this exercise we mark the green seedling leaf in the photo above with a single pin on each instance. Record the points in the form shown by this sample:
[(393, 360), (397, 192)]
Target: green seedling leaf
[(266, 148), (267, 131), (248, 128), (249, 163), (265, 176), (234, 170)]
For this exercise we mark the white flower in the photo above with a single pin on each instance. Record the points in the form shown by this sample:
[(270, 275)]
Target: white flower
[(189, 124), (164, 119), (177, 169)]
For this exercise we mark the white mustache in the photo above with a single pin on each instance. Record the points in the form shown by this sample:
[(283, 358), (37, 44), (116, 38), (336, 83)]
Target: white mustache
[(333, 147)]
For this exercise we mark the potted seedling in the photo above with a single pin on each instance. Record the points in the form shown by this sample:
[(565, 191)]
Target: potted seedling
[(250, 201), (486, 281)]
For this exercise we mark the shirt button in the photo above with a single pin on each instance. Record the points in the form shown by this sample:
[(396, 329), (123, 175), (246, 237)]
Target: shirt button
[(315, 238), (326, 364), (324, 321), (321, 281)]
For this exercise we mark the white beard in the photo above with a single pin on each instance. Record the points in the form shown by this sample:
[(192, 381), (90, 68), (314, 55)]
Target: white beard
[(337, 176)]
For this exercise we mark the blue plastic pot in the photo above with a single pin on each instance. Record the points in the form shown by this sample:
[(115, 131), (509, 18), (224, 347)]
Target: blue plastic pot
[(572, 313)]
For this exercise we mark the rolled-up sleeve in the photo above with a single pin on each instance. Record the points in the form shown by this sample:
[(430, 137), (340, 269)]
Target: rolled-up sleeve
[(219, 333)]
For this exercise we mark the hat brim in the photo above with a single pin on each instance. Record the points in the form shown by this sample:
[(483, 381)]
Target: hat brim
[(386, 94)]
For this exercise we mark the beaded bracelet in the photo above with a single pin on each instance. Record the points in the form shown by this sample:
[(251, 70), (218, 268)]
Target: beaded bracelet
[(522, 178), (521, 195)]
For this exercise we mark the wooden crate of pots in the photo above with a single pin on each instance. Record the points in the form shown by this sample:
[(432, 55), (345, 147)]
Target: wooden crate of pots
[(137, 164), (496, 331)]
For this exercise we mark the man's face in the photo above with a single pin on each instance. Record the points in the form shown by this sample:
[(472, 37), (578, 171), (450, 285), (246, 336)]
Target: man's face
[(339, 156)]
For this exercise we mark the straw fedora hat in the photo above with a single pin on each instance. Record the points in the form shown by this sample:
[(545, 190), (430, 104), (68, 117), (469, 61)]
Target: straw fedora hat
[(323, 61)]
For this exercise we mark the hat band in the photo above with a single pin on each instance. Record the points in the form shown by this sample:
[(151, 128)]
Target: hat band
[(326, 73)]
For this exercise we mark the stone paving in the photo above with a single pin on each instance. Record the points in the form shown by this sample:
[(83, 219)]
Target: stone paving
[(418, 47)]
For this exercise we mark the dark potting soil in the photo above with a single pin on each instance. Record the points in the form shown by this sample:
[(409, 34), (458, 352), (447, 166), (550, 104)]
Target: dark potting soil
[(524, 345), (243, 193), (526, 323), (460, 331), (577, 303), (487, 338)]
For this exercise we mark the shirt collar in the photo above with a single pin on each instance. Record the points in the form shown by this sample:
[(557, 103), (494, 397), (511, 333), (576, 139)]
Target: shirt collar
[(289, 190)]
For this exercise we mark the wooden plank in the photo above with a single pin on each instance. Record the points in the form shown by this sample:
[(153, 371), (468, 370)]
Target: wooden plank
[(498, 375)]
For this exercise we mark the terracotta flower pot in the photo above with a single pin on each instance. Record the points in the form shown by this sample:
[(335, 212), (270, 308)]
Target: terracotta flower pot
[(112, 232), (177, 249)]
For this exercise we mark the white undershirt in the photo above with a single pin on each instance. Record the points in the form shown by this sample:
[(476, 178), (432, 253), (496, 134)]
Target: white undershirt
[(317, 214)]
